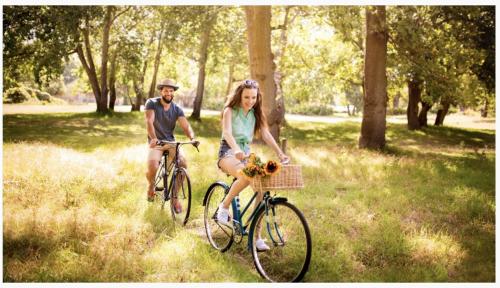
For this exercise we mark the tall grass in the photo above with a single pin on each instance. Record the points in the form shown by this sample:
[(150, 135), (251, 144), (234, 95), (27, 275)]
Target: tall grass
[(74, 206)]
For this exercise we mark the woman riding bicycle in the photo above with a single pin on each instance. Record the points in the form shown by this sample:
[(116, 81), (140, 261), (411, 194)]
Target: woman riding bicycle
[(242, 118)]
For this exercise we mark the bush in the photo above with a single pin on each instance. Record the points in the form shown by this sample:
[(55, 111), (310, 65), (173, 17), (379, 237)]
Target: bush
[(17, 95), (25, 94), (310, 109), (43, 96), (396, 111), (214, 103)]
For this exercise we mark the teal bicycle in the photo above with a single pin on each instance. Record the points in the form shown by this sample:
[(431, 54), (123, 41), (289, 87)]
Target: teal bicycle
[(280, 222)]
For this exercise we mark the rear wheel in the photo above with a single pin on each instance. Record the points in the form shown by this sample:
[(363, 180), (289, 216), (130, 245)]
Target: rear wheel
[(220, 236), (180, 196), (287, 234)]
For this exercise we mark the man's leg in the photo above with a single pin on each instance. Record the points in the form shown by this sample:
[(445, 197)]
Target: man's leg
[(154, 157)]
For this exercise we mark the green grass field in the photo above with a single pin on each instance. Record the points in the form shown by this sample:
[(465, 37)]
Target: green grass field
[(74, 204)]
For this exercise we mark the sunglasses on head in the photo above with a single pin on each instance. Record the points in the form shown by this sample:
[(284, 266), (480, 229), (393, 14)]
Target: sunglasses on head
[(249, 83)]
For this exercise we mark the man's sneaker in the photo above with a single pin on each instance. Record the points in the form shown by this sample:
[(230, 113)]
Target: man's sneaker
[(223, 215), (261, 245), (177, 206), (151, 197)]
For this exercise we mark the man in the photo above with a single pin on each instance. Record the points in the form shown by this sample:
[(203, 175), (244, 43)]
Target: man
[(161, 117)]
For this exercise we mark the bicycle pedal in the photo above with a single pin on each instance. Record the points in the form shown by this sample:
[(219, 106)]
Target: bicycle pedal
[(158, 188)]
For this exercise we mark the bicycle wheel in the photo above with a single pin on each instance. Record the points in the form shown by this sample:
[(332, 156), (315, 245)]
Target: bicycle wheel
[(180, 192), (289, 238), (220, 236)]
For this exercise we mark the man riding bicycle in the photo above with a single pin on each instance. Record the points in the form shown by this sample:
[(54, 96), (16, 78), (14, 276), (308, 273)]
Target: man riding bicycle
[(161, 117)]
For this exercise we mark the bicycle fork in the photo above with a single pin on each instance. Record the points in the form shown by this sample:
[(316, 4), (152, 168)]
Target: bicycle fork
[(272, 226)]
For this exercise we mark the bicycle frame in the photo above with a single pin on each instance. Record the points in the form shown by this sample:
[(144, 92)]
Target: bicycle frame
[(174, 164), (238, 216)]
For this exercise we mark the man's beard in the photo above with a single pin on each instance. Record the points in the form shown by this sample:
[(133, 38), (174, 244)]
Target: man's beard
[(167, 101)]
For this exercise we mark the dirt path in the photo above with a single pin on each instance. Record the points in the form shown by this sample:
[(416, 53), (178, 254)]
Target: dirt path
[(454, 120)]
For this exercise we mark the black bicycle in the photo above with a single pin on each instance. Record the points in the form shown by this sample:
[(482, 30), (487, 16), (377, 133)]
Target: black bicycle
[(178, 191), (278, 220)]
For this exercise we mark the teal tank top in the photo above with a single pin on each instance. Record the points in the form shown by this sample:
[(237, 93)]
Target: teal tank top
[(243, 127)]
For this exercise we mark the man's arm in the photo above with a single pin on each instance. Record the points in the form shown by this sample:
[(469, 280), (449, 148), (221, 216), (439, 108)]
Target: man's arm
[(150, 119), (186, 127)]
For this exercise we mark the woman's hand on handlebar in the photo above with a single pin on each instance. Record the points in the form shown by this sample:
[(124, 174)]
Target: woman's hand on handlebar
[(284, 158)]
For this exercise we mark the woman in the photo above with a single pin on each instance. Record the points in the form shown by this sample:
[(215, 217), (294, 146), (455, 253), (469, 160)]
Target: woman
[(242, 118)]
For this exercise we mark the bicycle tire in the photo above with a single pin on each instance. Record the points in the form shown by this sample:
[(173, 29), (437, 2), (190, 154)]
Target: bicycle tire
[(183, 196), (219, 236), (287, 260)]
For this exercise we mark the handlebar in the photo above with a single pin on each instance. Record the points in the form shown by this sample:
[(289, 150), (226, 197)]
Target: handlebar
[(195, 143), (282, 162)]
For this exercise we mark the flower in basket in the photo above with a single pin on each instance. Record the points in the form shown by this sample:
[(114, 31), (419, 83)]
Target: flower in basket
[(255, 167), (272, 167)]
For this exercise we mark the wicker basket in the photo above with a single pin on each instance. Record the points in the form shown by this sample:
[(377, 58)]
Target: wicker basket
[(289, 177)]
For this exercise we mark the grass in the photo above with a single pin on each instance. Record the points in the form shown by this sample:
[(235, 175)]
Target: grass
[(74, 209)]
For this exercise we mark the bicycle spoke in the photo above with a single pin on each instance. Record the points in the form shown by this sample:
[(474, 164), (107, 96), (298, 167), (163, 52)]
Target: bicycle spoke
[(180, 202), (290, 242), (220, 237)]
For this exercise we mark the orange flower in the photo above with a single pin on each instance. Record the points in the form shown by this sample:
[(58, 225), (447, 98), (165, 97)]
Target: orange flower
[(271, 167)]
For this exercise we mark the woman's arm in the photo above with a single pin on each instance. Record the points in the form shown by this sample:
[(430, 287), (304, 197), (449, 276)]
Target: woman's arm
[(269, 139), (227, 133)]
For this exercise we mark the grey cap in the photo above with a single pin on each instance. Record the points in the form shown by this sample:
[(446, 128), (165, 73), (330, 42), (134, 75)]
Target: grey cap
[(167, 83)]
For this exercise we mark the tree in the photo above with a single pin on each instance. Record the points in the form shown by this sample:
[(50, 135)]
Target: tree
[(375, 100), (262, 66), (210, 18)]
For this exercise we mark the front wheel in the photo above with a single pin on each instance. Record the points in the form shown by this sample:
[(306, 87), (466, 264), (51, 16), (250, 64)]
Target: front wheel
[(180, 196), (286, 232), (220, 236)]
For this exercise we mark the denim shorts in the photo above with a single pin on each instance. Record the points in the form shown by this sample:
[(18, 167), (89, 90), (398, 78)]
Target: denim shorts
[(226, 151)]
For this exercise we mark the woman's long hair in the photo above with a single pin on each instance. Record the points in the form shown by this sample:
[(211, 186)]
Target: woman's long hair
[(235, 101)]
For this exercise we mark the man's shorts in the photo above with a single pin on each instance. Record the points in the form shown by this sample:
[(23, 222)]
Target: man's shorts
[(156, 153)]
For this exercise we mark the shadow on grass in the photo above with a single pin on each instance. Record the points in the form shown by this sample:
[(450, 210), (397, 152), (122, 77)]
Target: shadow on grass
[(89, 131), (449, 194)]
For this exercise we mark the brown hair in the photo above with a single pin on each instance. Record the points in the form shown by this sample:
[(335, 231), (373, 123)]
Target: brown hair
[(235, 101)]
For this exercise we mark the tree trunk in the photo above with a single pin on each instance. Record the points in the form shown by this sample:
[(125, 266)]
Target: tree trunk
[(152, 87), (139, 83), (204, 42), (94, 83), (230, 78), (395, 103), (262, 65), (484, 110), (103, 104), (112, 81), (375, 99), (414, 91), (348, 111), (441, 113), (422, 116)]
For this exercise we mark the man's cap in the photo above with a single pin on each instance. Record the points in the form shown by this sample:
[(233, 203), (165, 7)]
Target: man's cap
[(167, 83)]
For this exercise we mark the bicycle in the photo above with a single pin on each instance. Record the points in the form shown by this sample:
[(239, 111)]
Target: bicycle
[(180, 184), (290, 254)]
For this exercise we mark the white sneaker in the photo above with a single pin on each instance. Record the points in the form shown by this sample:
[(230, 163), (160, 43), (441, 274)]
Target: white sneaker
[(261, 245), (223, 215)]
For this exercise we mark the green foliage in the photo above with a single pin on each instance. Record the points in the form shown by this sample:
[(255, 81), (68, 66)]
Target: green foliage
[(16, 95), (310, 109), (25, 94)]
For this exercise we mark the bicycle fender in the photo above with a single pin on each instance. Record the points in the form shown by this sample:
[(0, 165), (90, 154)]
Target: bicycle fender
[(278, 200), (210, 188)]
